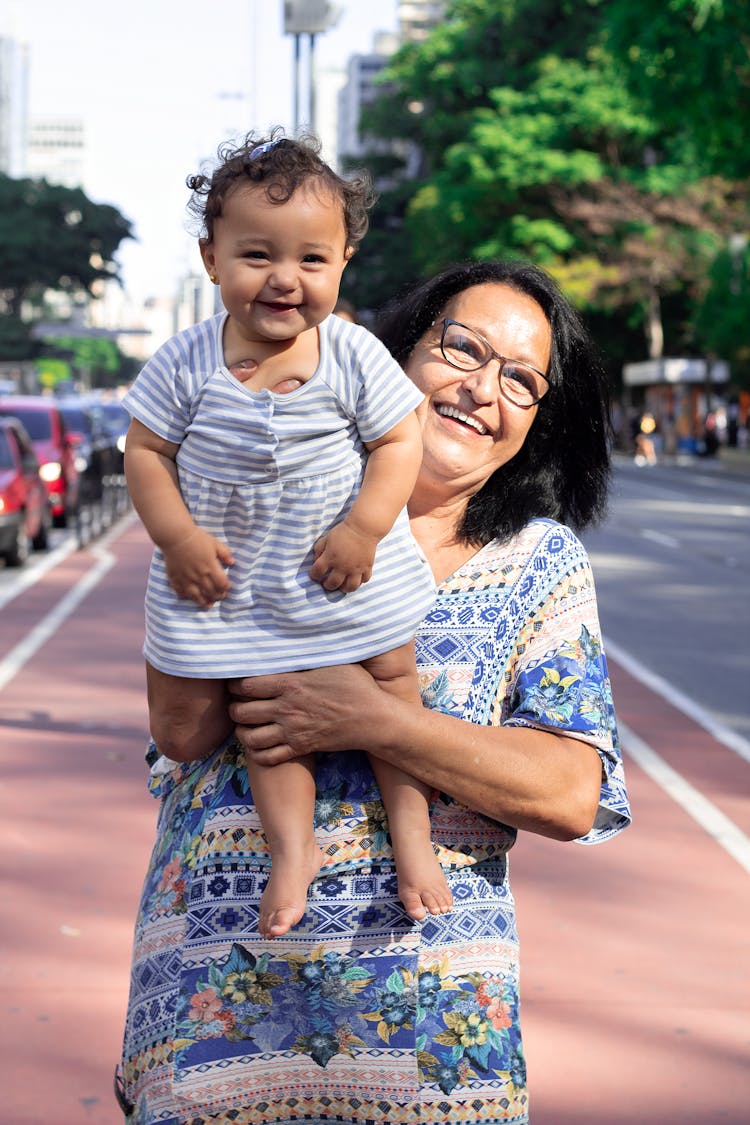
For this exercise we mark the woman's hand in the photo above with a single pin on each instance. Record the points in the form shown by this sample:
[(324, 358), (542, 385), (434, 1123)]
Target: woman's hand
[(297, 713)]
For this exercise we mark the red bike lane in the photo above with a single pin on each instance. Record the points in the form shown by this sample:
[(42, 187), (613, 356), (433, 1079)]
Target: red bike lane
[(635, 953)]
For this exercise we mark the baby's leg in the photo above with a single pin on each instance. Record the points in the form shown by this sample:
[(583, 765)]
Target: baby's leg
[(284, 796), (188, 718), (422, 887)]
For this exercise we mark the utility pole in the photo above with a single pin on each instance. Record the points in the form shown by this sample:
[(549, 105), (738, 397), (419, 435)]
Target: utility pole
[(307, 18)]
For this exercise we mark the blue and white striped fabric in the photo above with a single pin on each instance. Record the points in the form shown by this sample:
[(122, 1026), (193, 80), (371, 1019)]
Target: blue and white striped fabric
[(269, 474)]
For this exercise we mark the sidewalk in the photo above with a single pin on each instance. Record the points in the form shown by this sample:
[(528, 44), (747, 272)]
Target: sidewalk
[(635, 962), (733, 462)]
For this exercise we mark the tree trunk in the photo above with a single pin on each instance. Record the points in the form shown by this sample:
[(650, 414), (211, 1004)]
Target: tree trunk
[(653, 326)]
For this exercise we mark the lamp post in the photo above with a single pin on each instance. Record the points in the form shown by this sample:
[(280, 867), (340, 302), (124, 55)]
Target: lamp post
[(310, 18)]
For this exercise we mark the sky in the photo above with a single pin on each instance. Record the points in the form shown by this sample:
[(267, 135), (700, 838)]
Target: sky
[(159, 84)]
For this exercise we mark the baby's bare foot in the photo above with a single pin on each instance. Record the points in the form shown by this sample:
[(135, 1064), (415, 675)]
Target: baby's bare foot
[(284, 899), (422, 885)]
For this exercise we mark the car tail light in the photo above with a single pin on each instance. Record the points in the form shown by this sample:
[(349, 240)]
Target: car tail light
[(9, 501)]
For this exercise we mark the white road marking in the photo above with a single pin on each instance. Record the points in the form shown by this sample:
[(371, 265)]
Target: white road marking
[(19, 656), (660, 537), (708, 817), (31, 575), (678, 699)]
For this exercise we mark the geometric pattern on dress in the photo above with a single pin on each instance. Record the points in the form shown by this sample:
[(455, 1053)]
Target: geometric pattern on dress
[(358, 1005)]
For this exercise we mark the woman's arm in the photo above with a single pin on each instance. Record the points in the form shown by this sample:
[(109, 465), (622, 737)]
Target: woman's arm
[(530, 779), (344, 557), (194, 559)]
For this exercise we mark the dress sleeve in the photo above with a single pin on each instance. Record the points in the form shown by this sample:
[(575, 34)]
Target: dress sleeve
[(159, 397), (379, 394), (559, 682)]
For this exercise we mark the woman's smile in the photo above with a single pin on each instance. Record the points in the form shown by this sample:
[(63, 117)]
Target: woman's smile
[(458, 415)]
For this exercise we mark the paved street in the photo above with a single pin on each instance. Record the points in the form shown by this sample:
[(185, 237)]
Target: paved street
[(635, 957)]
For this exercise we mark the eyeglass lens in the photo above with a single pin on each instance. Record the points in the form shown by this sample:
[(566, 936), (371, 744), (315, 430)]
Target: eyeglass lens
[(467, 350)]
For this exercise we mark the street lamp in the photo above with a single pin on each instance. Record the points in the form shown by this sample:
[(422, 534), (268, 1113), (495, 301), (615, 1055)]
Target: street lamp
[(307, 17)]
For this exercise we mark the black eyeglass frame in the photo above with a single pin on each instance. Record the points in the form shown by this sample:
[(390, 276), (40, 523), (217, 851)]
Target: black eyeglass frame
[(502, 359)]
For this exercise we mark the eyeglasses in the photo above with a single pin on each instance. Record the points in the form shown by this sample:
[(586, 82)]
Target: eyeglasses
[(465, 349)]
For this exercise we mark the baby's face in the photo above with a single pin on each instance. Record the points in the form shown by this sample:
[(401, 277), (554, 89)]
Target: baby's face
[(279, 265)]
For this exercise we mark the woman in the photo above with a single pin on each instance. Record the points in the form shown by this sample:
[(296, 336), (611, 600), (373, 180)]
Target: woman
[(359, 1014)]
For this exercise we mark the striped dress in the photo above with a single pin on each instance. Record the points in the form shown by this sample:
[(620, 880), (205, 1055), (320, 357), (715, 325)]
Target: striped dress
[(269, 474)]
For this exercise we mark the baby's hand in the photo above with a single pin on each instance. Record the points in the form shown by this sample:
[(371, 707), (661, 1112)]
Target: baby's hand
[(195, 568), (343, 558)]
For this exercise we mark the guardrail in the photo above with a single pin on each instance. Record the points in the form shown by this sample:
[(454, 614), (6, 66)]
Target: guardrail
[(94, 517)]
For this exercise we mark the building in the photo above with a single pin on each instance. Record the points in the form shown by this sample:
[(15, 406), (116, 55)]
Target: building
[(679, 394), (14, 106), (56, 150), (359, 91), (416, 18)]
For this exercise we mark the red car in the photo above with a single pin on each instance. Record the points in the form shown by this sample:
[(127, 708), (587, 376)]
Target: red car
[(54, 448), (25, 517)]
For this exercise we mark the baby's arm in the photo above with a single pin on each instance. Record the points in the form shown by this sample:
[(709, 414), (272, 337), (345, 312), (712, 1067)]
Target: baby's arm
[(344, 556), (194, 560)]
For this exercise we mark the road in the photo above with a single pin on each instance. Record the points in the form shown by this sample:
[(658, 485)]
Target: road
[(635, 957), (672, 565)]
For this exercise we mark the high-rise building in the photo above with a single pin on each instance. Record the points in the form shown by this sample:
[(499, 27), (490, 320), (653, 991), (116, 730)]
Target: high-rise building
[(56, 150), (416, 18), (359, 91), (14, 106)]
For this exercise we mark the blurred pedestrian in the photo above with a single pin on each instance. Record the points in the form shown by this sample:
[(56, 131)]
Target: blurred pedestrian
[(645, 448)]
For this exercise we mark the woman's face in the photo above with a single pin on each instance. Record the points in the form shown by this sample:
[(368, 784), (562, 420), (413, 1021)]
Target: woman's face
[(469, 429)]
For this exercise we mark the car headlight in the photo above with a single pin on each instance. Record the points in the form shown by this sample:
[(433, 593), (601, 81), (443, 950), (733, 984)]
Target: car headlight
[(81, 464), (121, 443), (51, 471)]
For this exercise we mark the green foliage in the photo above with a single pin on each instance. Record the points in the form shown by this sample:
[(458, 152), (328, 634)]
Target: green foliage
[(52, 371), (16, 342), (722, 315), (690, 62), (585, 135), (54, 237), (95, 359)]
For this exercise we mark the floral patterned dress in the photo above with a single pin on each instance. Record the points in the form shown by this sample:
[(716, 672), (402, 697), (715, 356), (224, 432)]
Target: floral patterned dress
[(359, 1014)]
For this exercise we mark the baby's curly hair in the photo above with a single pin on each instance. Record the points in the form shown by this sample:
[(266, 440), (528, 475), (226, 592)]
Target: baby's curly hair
[(281, 164)]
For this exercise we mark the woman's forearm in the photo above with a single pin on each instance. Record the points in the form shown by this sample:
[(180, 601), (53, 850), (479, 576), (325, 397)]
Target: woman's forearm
[(530, 779)]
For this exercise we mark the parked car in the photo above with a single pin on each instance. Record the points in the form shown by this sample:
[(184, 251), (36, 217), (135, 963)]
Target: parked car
[(25, 516), (95, 448), (117, 420), (55, 451)]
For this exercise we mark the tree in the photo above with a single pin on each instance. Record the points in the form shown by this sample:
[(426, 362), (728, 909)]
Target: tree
[(689, 60), (96, 360), (54, 237), (537, 140), (722, 314)]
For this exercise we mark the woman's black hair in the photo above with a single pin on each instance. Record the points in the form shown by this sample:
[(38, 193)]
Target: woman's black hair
[(281, 165), (563, 469)]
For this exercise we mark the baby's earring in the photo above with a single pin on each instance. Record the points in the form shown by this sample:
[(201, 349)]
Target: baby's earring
[(213, 278)]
